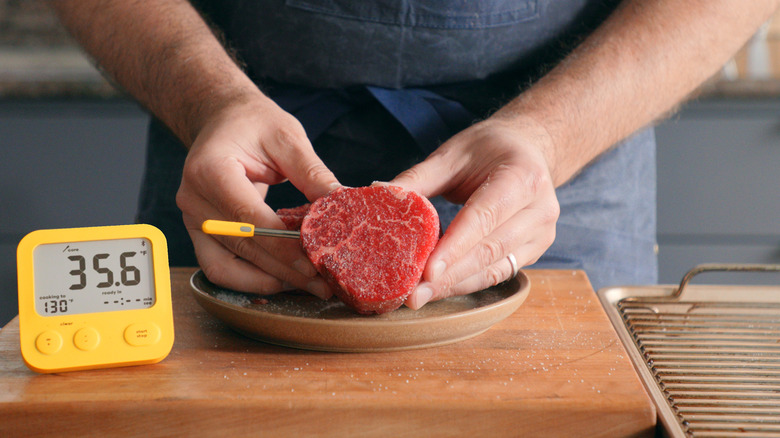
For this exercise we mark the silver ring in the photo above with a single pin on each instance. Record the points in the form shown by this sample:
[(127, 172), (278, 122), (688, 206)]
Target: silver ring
[(513, 262)]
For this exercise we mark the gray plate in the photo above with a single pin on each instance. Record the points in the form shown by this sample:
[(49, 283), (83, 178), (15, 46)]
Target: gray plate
[(306, 322)]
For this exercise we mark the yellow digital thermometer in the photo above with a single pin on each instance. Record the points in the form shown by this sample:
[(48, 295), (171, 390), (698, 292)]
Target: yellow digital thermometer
[(94, 297)]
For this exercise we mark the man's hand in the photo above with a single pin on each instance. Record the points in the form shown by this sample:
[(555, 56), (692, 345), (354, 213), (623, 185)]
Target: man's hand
[(226, 175), (499, 171)]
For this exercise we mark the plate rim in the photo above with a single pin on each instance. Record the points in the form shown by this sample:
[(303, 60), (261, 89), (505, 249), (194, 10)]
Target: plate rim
[(521, 292), (361, 333)]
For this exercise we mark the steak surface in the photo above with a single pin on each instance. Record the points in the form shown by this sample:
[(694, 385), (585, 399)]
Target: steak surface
[(293, 217), (371, 244)]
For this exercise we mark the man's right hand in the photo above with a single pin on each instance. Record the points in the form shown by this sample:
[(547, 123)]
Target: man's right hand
[(237, 154)]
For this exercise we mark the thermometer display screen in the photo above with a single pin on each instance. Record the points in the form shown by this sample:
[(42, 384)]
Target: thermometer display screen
[(93, 276)]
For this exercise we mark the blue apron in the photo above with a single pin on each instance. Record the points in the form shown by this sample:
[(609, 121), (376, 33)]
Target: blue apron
[(380, 84)]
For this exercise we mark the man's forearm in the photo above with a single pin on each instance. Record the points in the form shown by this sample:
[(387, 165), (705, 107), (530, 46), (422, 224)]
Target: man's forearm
[(646, 58), (162, 53)]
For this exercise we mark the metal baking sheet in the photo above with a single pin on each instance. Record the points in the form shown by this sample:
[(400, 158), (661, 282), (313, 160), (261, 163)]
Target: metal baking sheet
[(708, 355)]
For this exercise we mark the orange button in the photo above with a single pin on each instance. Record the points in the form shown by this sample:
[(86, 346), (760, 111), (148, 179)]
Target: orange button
[(142, 333), (86, 339), (48, 342)]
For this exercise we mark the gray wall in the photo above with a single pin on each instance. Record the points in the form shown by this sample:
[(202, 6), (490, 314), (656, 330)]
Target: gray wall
[(719, 189), (73, 164), (64, 164)]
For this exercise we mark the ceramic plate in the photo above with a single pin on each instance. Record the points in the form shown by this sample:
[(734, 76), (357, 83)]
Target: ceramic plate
[(303, 321)]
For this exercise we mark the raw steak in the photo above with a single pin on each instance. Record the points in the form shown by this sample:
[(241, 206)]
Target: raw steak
[(293, 217), (371, 244)]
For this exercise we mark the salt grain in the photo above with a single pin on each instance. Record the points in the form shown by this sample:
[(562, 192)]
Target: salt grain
[(232, 298)]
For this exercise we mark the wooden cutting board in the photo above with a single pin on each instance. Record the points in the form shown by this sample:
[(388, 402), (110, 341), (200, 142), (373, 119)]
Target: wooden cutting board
[(553, 368)]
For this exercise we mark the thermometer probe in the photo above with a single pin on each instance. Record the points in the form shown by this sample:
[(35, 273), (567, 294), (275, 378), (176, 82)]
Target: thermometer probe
[(242, 229)]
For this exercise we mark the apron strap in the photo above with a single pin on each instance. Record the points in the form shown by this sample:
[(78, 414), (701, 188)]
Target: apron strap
[(315, 109), (428, 117)]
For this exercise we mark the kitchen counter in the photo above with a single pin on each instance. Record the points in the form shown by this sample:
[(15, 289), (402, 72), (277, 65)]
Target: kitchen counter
[(553, 368), (42, 72), (38, 59)]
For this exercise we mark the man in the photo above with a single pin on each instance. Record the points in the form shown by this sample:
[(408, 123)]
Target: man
[(531, 114)]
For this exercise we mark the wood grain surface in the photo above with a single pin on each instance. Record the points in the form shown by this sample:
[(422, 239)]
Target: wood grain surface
[(553, 368)]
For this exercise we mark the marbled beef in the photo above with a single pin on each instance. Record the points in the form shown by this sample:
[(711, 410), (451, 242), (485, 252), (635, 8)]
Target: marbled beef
[(293, 217), (371, 243)]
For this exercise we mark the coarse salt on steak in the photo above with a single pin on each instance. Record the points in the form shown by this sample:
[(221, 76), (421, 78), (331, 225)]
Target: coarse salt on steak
[(293, 217), (371, 243)]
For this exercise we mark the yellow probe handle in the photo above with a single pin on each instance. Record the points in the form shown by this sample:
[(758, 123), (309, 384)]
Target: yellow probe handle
[(227, 228)]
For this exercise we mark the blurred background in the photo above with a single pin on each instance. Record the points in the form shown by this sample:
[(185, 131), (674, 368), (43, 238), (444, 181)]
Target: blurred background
[(72, 149)]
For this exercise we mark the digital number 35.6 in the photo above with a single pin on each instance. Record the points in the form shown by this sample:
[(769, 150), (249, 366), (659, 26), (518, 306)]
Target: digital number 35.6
[(129, 275)]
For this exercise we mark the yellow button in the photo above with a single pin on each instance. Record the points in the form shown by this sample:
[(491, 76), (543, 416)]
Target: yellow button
[(86, 339), (48, 342), (142, 333)]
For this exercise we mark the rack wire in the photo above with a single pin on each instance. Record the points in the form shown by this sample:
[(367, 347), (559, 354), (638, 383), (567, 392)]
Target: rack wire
[(708, 355)]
